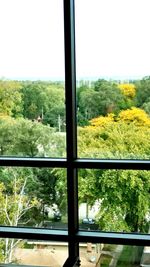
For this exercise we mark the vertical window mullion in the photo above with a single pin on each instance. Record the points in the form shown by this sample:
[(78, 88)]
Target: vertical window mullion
[(71, 128)]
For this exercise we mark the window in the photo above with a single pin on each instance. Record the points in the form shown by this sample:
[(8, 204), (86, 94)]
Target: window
[(72, 164)]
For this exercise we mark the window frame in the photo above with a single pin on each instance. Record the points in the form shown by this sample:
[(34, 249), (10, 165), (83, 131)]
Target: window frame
[(72, 163)]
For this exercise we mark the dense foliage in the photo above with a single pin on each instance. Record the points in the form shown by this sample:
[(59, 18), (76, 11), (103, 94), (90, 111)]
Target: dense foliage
[(113, 123)]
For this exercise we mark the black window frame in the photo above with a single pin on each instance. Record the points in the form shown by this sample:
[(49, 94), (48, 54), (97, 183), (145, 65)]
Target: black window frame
[(72, 163)]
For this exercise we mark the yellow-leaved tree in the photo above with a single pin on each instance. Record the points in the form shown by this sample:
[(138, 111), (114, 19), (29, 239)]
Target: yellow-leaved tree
[(102, 120), (135, 115), (128, 89)]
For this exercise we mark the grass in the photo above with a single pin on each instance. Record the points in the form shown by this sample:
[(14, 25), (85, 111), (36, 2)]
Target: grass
[(130, 256), (109, 247), (105, 261)]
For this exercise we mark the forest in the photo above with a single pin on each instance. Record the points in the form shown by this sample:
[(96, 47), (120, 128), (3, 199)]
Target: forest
[(113, 119)]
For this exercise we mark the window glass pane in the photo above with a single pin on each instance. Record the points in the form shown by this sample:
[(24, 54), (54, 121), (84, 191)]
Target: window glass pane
[(114, 200), (33, 252), (106, 255), (113, 82), (32, 94), (33, 197)]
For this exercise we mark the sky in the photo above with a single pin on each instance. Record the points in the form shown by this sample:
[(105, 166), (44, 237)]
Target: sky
[(112, 39)]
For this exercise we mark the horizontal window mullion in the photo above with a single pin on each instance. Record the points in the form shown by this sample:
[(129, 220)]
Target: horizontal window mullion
[(112, 164), (33, 162), (77, 163), (114, 238), (81, 236), (33, 233)]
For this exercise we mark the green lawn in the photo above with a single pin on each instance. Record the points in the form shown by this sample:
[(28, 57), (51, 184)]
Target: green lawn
[(130, 256), (105, 261), (109, 247)]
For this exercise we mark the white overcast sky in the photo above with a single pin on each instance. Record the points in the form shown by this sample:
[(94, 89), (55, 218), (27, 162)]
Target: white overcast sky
[(112, 38)]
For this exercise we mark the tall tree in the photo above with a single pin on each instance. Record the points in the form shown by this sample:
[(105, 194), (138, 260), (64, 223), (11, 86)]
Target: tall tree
[(45, 101), (105, 97), (10, 98), (30, 138), (143, 91), (54, 114), (33, 138), (123, 195), (34, 99), (15, 203), (7, 135)]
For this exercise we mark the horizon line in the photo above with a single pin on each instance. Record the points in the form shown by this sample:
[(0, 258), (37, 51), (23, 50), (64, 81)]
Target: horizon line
[(81, 78)]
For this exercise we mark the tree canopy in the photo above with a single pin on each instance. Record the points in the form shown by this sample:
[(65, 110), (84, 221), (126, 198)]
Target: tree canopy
[(123, 195), (113, 123)]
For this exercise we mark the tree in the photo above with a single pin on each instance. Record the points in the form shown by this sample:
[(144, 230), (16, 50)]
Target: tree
[(87, 104), (29, 138), (46, 192), (34, 98), (135, 115), (15, 203), (110, 97), (128, 89), (61, 189), (123, 195), (121, 136), (7, 135), (102, 121), (55, 107), (10, 98), (143, 91), (105, 97), (100, 83), (33, 138), (146, 107), (46, 101)]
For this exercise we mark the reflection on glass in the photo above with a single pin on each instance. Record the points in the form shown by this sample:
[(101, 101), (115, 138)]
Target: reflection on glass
[(114, 200), (33, 197), (106, 255), (28, 252), (113, 82), (32, 94)]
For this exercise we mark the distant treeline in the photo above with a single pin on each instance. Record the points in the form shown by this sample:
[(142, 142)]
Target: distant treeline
[(45, 101)]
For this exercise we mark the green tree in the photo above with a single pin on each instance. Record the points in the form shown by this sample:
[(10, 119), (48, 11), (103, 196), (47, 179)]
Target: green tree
[(30, 138), (61, 190), (55, 107), (10, 98), (146, 107), (44, 101), (47, 193), (110, 98), (88, 104), (143, 91), (7, 135), (34, 99), (33, 138), (105, 97), (125, 198), (123, 195)]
